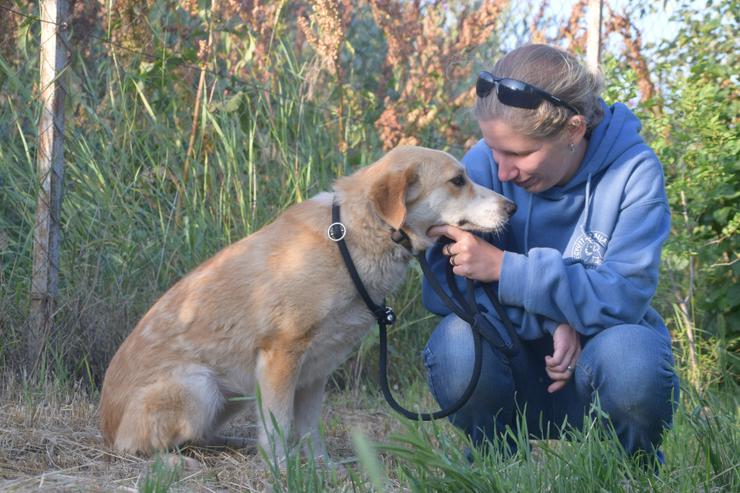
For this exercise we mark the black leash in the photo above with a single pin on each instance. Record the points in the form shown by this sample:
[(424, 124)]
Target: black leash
[(464, 306)]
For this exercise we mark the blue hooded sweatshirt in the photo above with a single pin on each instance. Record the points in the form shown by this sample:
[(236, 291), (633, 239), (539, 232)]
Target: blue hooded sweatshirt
[(586, 253)]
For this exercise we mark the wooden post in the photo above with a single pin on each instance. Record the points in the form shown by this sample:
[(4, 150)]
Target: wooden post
[(50, 166), (593, 47)]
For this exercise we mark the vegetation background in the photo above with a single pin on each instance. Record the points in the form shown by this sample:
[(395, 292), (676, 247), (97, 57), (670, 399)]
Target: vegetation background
[(192, 124)]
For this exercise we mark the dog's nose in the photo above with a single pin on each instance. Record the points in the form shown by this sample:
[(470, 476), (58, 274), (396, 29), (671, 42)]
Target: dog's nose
[(509, 207)]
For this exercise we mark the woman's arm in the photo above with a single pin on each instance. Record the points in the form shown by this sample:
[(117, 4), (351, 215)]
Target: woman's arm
[(618, 291)]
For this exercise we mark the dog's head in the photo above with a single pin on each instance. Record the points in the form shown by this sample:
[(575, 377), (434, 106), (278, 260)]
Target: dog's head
[(414, 188)]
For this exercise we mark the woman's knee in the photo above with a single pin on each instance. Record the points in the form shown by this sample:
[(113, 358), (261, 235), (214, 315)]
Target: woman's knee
[(631, 367), (450, 358)]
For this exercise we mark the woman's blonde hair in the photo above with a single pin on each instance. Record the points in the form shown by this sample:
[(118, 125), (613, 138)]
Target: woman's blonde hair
[(553, 70)]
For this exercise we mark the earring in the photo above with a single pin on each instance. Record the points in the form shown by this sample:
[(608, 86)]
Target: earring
[(572, 147)]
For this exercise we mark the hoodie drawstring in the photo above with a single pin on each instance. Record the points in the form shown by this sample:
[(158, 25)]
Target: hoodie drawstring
[(588, 205), (585, 224), (526, 226)]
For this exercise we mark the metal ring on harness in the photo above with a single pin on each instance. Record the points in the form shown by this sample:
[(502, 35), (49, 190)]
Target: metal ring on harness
[(337, 231)]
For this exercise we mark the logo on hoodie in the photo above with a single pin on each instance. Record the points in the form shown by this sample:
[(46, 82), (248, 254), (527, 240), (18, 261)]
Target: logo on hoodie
[(589, 249)]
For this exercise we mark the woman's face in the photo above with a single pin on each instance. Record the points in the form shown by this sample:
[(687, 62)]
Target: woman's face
[(532, 164)]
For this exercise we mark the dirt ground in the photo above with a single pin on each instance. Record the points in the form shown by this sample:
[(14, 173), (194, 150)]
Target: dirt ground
[(53, 444)]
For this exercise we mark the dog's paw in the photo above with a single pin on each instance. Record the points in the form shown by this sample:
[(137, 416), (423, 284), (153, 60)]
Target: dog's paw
[(184, 463)]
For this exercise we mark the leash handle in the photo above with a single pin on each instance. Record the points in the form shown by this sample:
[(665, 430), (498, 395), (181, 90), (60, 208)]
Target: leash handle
[(442, 413), (467, 309), (475, 319), (512, 345)]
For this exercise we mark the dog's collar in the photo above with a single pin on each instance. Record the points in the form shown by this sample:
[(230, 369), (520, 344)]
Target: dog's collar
[(337, 231)]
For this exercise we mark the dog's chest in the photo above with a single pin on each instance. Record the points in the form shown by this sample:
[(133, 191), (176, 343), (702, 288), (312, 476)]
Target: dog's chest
[(343, 327), (337, 336)]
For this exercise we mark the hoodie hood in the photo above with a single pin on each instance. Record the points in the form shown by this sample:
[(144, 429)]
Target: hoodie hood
[(616, 133)]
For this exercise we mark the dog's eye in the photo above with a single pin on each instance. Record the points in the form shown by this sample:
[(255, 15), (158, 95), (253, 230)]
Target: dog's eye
[(458, 181)]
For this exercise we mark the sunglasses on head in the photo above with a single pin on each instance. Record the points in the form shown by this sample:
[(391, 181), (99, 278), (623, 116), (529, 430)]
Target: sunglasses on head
[(516, 93)]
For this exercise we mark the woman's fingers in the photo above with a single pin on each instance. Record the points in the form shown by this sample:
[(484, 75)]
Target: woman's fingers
[(568, 360), (559, 379), (560, 358), (561, 365), (566, 348), (557, 385), (450, 232), (459, 250)]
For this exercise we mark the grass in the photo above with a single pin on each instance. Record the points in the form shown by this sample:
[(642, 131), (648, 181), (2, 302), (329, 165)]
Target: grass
[(133, 224), (49, 442)]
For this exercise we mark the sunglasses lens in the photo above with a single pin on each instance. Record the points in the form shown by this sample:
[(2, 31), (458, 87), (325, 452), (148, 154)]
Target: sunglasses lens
[(516, 93), (484, 85)]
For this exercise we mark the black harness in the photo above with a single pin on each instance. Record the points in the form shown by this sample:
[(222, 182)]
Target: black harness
[(464, 306)]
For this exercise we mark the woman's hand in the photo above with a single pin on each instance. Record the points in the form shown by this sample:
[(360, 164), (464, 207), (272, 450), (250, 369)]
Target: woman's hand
[(470, 256), (562, 364)]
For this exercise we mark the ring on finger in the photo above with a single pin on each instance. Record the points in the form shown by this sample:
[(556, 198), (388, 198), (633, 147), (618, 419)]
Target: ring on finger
[(452, 260), (570, 369)]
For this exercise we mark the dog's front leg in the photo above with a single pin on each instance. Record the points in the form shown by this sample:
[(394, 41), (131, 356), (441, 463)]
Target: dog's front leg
[(309, 400), (277, 372)]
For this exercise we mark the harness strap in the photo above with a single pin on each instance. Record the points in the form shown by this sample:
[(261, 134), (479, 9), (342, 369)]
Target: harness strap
[(383, 314)]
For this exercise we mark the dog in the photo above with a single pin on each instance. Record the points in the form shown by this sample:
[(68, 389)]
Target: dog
[(278, 310)]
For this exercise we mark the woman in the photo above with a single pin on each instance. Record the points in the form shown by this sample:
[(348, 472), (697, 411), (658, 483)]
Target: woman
[(576, 267)]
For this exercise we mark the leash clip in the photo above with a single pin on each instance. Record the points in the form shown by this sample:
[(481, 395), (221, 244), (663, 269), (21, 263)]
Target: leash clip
[(337, 231)]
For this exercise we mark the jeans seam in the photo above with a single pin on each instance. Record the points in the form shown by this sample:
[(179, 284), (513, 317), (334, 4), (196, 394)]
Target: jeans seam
[(430, 380), (588, 371)]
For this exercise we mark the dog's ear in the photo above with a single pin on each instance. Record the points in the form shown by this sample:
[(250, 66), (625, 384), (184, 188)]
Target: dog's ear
[(391, 193)]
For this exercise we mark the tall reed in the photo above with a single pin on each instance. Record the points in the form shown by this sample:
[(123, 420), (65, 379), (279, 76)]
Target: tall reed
[(132, 225)]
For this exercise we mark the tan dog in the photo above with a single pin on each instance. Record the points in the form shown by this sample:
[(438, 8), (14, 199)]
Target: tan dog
[(278, 309)]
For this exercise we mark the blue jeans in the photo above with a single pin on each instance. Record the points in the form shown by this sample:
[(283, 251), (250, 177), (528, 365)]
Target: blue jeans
[(630, 366)]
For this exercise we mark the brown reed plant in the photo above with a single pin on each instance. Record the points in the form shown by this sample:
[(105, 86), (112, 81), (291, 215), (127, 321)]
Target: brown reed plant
[(623, 25), (204, 53), (424, 55), (574, 35), (571, 33), (574, 31), (325, 29)]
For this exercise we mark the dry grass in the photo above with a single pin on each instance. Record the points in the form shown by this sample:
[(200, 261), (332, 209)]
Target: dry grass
[(52, 443)]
